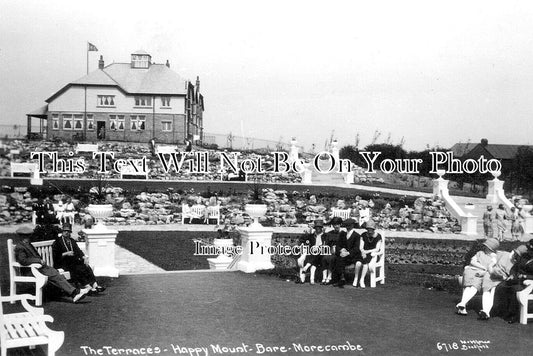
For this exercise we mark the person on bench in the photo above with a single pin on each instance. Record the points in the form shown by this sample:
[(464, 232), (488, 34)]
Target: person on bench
[(26, 254), (311, 261), (67, 255), (498, 272), (522, 271), (370, 244), (474, 273), (331, 240), (348, 252)]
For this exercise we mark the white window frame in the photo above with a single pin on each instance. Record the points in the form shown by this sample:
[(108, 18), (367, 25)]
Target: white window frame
[(165, 102), (113, 122), (90, 122), (143, 101), (163, 122), (100, 101), (121, 122), (78, 118), (68, 118), (55, 122), (139, 121)]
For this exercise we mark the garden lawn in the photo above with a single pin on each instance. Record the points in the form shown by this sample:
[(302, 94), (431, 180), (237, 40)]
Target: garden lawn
[(196, 310)]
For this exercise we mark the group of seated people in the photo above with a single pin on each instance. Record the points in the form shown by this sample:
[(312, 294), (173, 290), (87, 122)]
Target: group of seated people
[(346, 247), (67, 256), (46, 213), (490, 268)]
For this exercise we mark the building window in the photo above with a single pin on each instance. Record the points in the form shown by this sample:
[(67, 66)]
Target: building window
[(167, 126), (67, 122), (137, 123), (90, 123), (78, 122), (55, 122), (117, 122), (165, 101), (106, 100), (120, 123), (143, 101), (140, 61)]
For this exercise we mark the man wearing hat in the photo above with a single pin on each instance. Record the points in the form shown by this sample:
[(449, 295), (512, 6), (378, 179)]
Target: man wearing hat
[(311, 261), (347, 252), (67, 255), (26, 254), (331, 240), (474, 273)]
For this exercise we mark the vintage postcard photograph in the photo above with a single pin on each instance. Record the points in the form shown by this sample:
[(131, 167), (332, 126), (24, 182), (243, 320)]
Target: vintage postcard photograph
[(215, 178)]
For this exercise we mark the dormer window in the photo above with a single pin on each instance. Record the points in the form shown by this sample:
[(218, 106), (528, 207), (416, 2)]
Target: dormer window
[(140, 60)]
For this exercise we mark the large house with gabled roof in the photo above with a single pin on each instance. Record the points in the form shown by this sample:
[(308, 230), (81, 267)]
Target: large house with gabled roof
[(132, 102)]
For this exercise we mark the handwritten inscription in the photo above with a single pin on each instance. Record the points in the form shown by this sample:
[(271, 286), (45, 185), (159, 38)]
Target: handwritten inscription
[(219, 349), (463, 345)]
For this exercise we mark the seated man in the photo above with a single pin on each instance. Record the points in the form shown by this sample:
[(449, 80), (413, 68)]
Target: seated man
[(348, 251), (26, 254), (67, 255)]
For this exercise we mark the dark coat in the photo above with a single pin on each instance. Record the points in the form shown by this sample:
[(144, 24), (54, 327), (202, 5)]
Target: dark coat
[(352, 245)]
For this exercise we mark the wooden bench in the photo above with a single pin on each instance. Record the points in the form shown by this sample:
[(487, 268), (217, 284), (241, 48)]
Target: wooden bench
[(16, 274), (376, 268), (524, 296), (192, 212), (24, 168), (341, 213), (86, 147), (213, 213), (128, 172), (27, 328), (165, 149)]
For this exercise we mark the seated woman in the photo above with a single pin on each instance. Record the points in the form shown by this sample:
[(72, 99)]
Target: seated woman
[(310, 261), (475, 272), (69, 212), (67, 255), (331, 239), (370, 245), (506, 269)]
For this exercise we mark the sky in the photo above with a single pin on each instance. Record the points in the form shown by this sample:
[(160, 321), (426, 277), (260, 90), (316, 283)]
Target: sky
[(431, 72)]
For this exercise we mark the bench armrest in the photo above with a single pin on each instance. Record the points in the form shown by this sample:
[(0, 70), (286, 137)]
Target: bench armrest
[(24, 300)]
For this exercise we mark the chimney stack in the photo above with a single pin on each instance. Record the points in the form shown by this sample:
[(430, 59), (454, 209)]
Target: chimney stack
[(484, 142), (168, 64), (101, 62), (197, 84)]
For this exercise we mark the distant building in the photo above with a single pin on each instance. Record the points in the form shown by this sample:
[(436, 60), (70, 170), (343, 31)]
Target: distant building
[(502, 152), (134, 101)]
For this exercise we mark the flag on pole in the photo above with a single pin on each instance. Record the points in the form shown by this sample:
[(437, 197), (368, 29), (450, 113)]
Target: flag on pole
[(91, 47)]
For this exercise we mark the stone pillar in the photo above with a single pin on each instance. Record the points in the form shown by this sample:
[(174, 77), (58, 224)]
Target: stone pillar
[(349, 177), (100, 247), (440, 185), (255, 242), (335, 152), (495, 187), (223, 260), (36, 178), (307, 174), (293, 153)]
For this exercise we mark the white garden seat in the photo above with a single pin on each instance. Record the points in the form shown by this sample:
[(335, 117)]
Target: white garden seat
[(16, 274), (341, 213), (27, 328), (524, 297)]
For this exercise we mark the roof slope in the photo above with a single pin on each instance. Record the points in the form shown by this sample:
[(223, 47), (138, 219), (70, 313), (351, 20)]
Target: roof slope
[(157, 79)]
